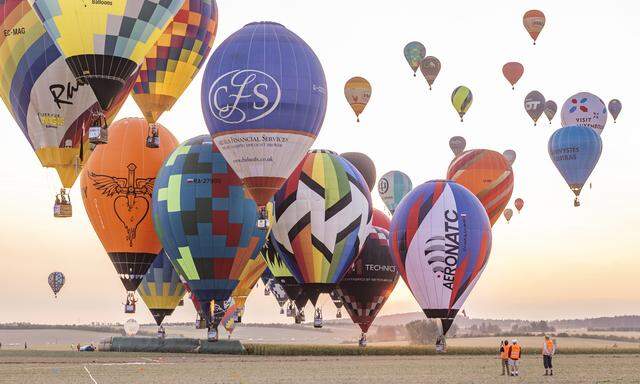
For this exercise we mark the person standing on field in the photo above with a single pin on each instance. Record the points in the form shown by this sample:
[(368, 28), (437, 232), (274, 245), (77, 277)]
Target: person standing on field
[(504, 357), (514, 357), (548, 349)]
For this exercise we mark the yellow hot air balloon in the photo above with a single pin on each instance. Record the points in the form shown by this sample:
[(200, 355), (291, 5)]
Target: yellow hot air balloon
[(175, 59), (248, 279), (357, 90), (461, 98)]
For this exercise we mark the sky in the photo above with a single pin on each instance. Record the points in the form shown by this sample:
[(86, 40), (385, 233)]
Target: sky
[(552, 261)]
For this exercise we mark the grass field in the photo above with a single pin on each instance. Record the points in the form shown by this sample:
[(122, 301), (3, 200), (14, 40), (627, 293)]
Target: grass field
[(40, 367)]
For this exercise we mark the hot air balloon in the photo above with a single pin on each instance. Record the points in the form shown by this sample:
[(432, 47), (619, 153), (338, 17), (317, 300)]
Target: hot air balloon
[(369, 282), (550, 109), (250, 275), (337, 301), (488, 175), (430, 67), (321, 214), (615, 106), (585, 109), (264, 110), (414, 52), (392, 187), (116, 190), (519, 203), (461, 98), (56, 281), (228, 320), (510, 155), (364, 165), (440, 240), (175, 59), (512, 71), (105, 42), (457, 144), (131, 327), (357, 90), (52, 109), (508, 213), (161, 289), (533, 21), (575, 151), (283, 282), (534, 104), (206, 222), (380, 220)]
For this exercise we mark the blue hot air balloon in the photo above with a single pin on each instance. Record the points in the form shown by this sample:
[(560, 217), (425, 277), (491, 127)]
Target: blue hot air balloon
[(206, 223), (264, 98), (575, 151)]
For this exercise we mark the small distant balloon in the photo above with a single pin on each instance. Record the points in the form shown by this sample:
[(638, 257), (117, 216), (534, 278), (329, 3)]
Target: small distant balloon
[(131, 327), (430, 67), (357, 90), (550, 109), (512, 71), (615, 106), (461, 98), (508, 213), (457, 144), (510, 155), (534, 21), (56, 281), (519, 203), (584, 109), (534, 104), (392, 188), (414, 52)]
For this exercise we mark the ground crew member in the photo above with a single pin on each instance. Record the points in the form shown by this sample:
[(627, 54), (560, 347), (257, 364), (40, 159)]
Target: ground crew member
[(514, 357), (548, 349), (504, 357)]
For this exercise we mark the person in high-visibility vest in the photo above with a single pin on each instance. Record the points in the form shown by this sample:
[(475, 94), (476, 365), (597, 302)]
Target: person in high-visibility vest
[(504, 357), (548, 350), (514, 357)]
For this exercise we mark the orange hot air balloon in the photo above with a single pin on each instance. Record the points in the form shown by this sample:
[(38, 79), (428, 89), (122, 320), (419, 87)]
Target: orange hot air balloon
[(512, 71), (116, 186), (533, 21), (357, 90), (519, 203), (488, 175)]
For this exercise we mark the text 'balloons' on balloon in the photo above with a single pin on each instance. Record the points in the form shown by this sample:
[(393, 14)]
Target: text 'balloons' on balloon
[(430, 67), (519, 204), (488, 175), (533, 21), (206, 221), (368, 283), (457, 144), (575, 151), (512, 71), (584, 109), (357, 91), (550, 109), (615, 107), (508, 213), (461, 99), (172, 63), (534, 104), (392, 187), (440, 239), (117, 186), (161, 288), (364, 165), (254, 99), (510, 155), (414, 52), (56, 281)]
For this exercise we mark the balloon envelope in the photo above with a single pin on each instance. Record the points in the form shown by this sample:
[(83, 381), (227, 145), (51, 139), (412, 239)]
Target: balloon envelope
[(615, 106), (584, 109), (56, 281), (364, 165), (534, 104), (131, 327), (461, 98), (508, 213), (510, 155), (533, 21), (357, 90), (414, 52), (457, 144), (440, 240), (380, 220), (161, 288), (512, 71), (430, 67), (392, 187), (519, 204), (550, 109), (264, 110)]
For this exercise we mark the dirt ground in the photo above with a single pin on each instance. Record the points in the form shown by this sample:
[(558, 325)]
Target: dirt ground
[(36, 367)]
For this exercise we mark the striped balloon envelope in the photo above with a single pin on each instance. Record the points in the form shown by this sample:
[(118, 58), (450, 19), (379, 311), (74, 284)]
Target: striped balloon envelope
[(161, 289), (461, 99), (169, 67), (248, 278), (440, 239), (488, 175), (322, 214), (357, 91), (392, 187), (229, 317), (205, 221)]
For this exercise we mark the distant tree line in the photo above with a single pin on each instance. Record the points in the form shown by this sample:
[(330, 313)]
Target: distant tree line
[(426, 331)]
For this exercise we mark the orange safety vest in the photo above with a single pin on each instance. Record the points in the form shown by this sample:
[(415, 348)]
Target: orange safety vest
[(504, 355), (515, 352), (549, 344)]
